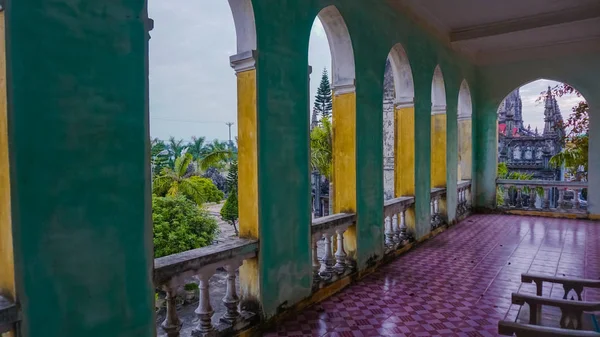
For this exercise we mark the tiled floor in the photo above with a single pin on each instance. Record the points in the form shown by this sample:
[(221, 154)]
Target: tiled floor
[(458, 283)]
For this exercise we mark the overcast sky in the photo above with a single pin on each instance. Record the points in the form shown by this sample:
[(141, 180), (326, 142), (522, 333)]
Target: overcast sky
[(193, 88)]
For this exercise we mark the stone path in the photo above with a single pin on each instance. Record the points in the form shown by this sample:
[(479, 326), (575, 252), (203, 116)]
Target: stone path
[(226, 231)]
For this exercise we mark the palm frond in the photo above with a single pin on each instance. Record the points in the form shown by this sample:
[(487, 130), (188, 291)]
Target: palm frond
[(214, 158)]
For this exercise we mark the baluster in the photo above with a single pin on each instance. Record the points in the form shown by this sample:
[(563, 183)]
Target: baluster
[(316, 265), (172, 323), (328, 259), (231, 299), (389, 235), (395, 230), (432, 209), (532, 197), (403, 236), (519, 201), (576, 199), (436, 206), (340, 254), (204, 310), (546, 202), (506, 196), (561, 198)]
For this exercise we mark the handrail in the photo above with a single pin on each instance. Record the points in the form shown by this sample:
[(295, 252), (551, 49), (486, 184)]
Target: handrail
[(169, 267), (332, 222), (397, 205), (542, 183), (9, 315)]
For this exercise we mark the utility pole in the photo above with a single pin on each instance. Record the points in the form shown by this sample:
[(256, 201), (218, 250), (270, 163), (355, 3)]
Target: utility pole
[(229, 124)]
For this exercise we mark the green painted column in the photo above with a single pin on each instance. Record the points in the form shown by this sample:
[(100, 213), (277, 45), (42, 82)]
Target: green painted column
[(369, 164), (485, 149), (79, 163), (422, 161), (451, 150)]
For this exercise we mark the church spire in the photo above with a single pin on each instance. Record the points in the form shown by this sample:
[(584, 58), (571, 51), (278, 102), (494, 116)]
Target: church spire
[(551, 113)]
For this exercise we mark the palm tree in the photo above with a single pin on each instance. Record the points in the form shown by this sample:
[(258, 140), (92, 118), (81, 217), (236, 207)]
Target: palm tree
[(177, 180), (218, 154), (176, 148), (197, 147)]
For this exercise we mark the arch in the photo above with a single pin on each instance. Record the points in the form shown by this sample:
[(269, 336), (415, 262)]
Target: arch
[(403, 79), (245, 26), (340, 45), (465, 149), (465, 104), (438, 92)]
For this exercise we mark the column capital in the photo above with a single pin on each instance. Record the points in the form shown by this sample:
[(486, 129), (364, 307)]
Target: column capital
[(243, 61), (404, 102), (343, 87), (438, 109)]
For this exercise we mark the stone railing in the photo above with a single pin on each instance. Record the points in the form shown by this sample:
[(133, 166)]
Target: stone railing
[(463, 201), (329, 265), (394, 212), (437, 218), (174, 271), (541, 195), (9, 315)]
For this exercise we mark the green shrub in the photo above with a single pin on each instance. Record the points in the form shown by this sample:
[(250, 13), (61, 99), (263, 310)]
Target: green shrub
[(180, 225), (209, 190)]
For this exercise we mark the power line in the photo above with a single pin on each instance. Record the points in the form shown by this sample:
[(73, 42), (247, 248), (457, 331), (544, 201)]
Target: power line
[(187, 120)]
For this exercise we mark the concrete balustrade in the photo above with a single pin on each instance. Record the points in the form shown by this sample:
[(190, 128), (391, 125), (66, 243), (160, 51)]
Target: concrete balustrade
[(541, 195), (395, 229), (463, 206), (330, 261), (438, 195), (174, 271)]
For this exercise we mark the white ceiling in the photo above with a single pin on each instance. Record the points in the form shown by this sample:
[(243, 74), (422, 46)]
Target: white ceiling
[(489, 31)]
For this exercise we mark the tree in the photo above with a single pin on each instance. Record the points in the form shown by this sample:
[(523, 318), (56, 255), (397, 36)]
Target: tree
[(180, 225), (323, 102), (321, 148), (197, 147), (158, 155), (574, 155), (229, 212), (217, 155), (177, 181), (175, 148), (216, 177)]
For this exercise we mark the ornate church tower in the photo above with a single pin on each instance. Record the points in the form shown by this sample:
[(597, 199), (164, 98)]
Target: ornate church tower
[(552, 116)]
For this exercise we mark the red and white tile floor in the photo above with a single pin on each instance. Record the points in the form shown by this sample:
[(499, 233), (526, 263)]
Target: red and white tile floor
[(458, 283)]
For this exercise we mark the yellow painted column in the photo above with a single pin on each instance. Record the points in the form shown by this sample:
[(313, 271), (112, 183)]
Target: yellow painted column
[(344, 159), (7, 268), (438, 154), (404, 161), (244, 65), (438, 149), (465, 159)]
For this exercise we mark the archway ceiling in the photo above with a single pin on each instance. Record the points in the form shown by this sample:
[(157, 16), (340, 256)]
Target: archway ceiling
[(510, 30)]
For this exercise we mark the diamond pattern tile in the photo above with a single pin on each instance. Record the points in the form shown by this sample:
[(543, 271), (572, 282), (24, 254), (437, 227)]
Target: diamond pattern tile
[(458, 283)]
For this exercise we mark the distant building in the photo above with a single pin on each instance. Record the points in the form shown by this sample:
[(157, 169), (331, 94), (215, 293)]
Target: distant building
[(525, 150)]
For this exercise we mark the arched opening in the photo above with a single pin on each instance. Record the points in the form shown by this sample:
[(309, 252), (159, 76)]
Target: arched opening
[(438, 149), (465, 111), (543, 146), (194, 149), (333, 133), (398, 142)]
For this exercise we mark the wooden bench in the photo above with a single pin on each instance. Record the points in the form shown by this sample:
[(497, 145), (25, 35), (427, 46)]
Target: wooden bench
[(572, 312)]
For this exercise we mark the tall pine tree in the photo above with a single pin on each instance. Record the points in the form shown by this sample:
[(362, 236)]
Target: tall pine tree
[(323, 104)]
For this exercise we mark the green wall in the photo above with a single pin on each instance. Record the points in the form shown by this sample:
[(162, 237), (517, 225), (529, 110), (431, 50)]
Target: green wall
[(283, 29), (79, 154)]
